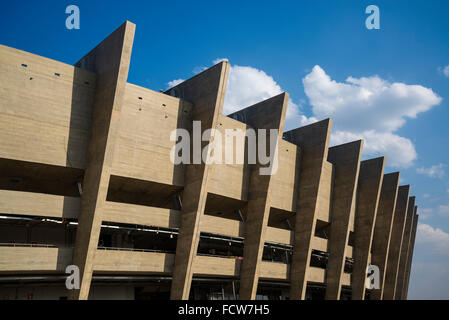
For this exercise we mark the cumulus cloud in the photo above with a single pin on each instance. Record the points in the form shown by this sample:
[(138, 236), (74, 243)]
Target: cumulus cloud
[(369, 108), (247, 86), (435, 171), (399, 151), (444, 70), (429, 277), (174, 83), (435, 239)]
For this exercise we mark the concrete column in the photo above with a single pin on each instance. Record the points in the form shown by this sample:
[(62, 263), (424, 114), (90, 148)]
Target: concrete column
[(405, 249), (313, 141), (383, 227), (110, 61), (410, 255), (206, 91), (268, 114), (395, 242), (346, 161), (368, 194)]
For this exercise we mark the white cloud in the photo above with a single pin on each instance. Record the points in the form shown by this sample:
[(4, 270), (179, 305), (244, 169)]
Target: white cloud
[(218, 60), (248, 85), (435, 239), (447, 190), (444, 70), (174, 83), (435, 171), (399, 151), (370, 108), (429, 278)]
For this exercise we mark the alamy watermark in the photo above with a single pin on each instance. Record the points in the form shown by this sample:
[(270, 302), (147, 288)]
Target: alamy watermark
[(73, 280), (373, 277), (73, 20), (373, 20), (188, 149)]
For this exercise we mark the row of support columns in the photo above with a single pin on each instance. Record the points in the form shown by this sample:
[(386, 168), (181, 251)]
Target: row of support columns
[(383, 215)]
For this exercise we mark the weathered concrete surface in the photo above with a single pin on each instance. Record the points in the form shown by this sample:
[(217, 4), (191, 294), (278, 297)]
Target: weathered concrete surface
[(206, 91), (268, 114), (45, 110), (383, 227), (49, 136), (368, 194), (395, 242), (405, 250), (313, 141), (110, 61), (346, 161)]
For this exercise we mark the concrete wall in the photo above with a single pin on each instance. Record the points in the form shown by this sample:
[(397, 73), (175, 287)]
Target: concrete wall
[(61, 125), (57, 292)]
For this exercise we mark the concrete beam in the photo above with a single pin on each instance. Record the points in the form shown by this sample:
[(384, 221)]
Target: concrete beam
[(110, 61), (268, 114), (410, 255), (405, 250), (16, 260), (313, 140), (368, 194), (346, 161), (206, 91), (383, 227), (395, 242)]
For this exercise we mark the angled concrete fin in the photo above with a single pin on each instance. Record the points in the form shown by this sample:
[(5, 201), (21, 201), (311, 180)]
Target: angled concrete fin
[(383, 227), (410, 255), (405, 250), (313, 140), (394, 251), (268, 114), (368, 194), (346, 161), (206, 92), (110, 61)]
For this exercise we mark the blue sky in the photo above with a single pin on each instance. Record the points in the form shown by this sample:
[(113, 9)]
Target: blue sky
[(309, 49)]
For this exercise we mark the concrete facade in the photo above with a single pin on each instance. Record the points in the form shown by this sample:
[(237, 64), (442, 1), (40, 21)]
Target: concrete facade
[(86, 178)]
